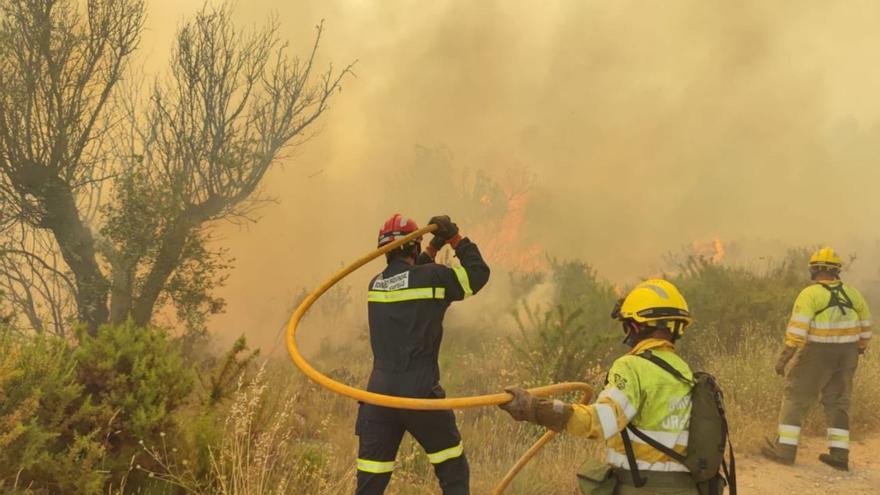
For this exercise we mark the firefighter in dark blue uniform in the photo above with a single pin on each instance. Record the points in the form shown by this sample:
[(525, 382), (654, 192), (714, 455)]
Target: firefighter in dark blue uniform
[(407, 302)]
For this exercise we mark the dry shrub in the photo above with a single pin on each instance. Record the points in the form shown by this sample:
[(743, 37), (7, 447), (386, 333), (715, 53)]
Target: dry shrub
[(254, 458)]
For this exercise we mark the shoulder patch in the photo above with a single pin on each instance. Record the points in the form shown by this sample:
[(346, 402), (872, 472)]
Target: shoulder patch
[(396, 282), (619, 381)]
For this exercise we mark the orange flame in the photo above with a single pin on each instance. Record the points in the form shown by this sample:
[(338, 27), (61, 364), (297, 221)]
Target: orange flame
[(719, 250), (501, 241), (714, 250)]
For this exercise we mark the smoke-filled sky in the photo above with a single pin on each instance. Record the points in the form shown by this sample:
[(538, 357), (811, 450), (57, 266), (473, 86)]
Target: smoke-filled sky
[(646, 125)]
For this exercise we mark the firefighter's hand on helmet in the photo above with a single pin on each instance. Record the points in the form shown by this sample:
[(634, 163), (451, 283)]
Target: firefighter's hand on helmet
[(437, 243), (784, 357), (522, 407), (446, 230)]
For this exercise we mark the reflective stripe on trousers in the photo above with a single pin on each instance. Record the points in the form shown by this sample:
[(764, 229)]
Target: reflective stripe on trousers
[(446, 454), (838, 438), (789, 434), (375, 467), (379, 467)]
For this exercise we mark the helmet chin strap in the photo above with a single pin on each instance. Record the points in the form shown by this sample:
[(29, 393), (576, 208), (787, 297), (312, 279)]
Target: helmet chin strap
[(632, 334)]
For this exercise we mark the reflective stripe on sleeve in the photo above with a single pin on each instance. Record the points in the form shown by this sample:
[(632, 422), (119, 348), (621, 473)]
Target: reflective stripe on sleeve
[(838, 438), (406, 294), (865, 323), (446, 454), (789, 435), (463, 280), (800, 332), (801, 319), (617, 395), (375, 467), (607, 419), (866, 335)]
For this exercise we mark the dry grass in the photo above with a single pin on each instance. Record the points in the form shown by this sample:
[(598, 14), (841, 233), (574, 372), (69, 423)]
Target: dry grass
[(753, 391), (494, 442), (283, 434)]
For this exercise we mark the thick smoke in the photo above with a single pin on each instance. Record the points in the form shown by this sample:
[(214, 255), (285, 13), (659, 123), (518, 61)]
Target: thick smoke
[(646, 125)]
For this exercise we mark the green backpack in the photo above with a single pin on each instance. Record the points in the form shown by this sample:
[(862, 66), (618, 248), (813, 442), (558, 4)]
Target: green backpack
[(707, 435)]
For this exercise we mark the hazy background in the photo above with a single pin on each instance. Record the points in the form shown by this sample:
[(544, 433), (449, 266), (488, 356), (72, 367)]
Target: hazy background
[(644, 127)]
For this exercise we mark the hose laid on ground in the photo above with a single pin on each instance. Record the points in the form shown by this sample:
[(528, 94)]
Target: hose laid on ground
[(409, 402)]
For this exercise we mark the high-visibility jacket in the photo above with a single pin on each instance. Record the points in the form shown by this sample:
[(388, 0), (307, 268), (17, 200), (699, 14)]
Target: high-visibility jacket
[(406, 306), (650, 398), (820, 316)]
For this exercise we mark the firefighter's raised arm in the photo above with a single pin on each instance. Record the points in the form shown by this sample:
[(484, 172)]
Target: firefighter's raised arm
[(461, 281)]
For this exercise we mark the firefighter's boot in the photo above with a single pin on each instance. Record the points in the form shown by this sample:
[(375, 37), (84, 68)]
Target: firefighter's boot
[(836, 458), (779, 453)]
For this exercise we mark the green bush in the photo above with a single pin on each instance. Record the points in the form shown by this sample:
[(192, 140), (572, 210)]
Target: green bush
[(561, 343), (729, 301), (138, 377), (71, 418), (50, 441)]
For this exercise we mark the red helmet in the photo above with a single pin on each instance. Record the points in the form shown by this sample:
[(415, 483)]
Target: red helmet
[(396, 228)]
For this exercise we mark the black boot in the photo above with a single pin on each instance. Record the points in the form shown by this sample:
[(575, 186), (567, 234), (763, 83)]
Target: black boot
[(779, 453), (836, 458)]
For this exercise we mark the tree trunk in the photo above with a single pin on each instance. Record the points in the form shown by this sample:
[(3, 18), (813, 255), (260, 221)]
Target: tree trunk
[(121, 294), (173, 242), (75, 241)]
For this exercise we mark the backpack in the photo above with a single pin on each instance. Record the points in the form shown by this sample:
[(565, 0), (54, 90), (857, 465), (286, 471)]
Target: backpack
[(707, 434)]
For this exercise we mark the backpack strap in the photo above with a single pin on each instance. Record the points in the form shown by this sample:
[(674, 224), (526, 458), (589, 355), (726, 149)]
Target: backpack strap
[(638, 481), (729, 474), (657, 445), (839, 299), (666, 366), (627, 442)]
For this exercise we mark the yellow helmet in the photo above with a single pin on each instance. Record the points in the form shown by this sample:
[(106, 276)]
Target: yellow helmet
[(652, 301), (825, 258)]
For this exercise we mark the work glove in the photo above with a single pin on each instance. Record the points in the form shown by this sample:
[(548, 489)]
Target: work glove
[(446, 230), (437, 243), (522, 407), (553, 414), (784, 357)]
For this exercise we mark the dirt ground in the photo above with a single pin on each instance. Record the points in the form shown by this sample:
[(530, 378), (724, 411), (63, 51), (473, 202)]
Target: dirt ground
[(755, 476)]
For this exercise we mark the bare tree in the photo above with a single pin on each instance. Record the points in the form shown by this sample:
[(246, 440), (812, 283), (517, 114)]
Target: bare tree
[(191, 153), (36, 281), (58, 67)]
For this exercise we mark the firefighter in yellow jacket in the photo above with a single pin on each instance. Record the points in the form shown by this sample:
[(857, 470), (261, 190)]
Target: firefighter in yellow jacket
[(829, 327), (638, 392)]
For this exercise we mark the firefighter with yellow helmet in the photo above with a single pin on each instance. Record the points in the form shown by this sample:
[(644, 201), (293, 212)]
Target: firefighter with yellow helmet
[(652, 397), (830, 327)]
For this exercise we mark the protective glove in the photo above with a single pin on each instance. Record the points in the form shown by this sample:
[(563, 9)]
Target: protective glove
[(437, 243), (784, 357), (446, 230), (553, 414), (522, 407)]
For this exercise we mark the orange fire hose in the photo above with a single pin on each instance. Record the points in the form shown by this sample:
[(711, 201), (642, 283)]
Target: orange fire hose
[(408, 402)]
